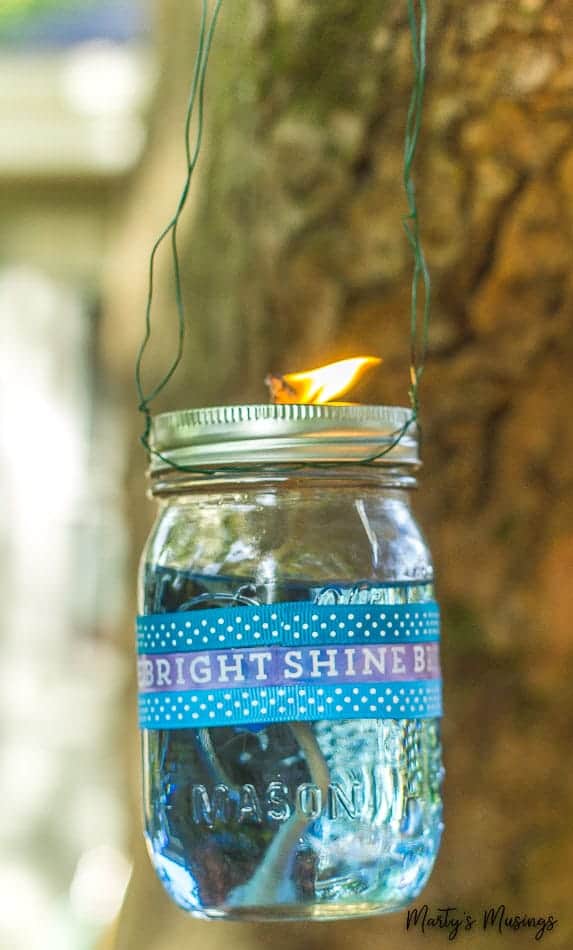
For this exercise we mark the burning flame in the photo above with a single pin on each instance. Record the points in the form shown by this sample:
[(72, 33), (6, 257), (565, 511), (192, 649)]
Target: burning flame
[(320, 385)]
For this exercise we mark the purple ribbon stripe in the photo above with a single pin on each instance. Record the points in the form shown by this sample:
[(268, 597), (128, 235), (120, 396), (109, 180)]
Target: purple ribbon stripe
[(277, 666)]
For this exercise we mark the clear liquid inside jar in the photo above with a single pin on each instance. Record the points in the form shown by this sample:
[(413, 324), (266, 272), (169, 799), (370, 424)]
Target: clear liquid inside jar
[(324, 818)]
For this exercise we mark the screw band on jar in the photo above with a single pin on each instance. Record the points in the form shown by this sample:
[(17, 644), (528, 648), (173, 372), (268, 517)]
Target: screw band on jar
[(252, 665)]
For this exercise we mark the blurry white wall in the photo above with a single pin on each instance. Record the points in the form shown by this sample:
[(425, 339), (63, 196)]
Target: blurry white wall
[(71, 130)]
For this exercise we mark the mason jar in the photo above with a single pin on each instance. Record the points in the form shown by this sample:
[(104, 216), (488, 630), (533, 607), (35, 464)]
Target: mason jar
[(289, 675)]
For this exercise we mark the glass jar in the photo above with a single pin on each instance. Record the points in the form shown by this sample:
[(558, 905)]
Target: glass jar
[(289, 675)]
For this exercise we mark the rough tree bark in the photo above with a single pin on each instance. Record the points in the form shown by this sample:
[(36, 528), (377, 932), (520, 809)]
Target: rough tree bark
[(293, 255)]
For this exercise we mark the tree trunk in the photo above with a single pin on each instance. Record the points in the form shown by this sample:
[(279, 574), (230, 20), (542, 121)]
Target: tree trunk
[(294, 254)]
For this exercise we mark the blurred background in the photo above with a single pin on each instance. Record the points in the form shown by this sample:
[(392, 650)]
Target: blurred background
[(75, 81), (293, 255)]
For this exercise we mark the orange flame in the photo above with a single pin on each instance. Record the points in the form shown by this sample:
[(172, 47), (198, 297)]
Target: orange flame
[(320, 385)]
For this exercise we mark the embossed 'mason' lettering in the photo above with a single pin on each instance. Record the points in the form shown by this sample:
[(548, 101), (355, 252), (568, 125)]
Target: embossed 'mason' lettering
[(223, 804)]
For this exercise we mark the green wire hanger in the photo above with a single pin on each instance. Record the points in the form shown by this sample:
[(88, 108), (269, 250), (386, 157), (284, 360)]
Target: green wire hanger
[(421, 284)]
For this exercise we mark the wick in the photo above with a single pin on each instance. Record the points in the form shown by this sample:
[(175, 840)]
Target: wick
[(279, 389)]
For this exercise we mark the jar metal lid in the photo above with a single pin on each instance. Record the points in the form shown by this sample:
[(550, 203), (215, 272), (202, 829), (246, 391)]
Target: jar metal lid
[(284, 433)]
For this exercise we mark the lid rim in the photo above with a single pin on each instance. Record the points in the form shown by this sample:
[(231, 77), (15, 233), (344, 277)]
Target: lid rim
[(263, 434)]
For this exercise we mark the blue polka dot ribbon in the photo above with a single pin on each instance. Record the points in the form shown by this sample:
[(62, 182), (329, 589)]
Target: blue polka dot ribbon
[(252, 665)]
